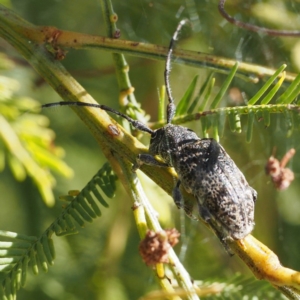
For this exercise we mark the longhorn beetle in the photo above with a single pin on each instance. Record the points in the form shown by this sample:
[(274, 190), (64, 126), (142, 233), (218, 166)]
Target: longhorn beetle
[(224, 197)]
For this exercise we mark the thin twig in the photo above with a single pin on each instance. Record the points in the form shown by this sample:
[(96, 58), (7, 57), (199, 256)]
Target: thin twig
[(75, 40), (250, 27)]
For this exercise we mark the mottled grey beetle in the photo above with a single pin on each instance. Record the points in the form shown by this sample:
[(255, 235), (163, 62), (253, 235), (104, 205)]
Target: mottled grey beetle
[(224, 197)]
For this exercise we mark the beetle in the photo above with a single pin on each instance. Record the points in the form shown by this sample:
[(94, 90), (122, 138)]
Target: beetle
[(225, 199)]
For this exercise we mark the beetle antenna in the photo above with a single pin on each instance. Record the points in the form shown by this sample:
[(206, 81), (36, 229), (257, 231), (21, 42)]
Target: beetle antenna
[(171, 108), (135, 123)]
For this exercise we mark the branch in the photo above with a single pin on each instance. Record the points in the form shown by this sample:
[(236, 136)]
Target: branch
[(10, 21), (113, 138)]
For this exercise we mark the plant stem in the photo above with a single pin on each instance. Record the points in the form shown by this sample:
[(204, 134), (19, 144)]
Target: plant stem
[(75, 40), (112, 138), (139, 197)]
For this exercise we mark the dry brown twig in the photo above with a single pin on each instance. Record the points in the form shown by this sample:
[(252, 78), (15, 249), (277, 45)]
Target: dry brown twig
[(281, 176)]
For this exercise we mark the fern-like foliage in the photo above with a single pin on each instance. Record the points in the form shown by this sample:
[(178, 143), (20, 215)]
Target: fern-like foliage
[(26, 143), (239, 285), (236, 287), (19, 252), (258, 107)]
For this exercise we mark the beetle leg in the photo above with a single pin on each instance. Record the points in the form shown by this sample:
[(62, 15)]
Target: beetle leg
[(148, 160), (206, 216), (177, 196)]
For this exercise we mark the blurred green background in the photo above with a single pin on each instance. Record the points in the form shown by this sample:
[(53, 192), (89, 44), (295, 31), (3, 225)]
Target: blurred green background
[(102, 262)]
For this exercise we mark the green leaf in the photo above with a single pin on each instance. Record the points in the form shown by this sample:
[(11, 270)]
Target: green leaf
[(161, 106), (224, 86), (285, 97), (183, 104), (273, 91), (270, 81)]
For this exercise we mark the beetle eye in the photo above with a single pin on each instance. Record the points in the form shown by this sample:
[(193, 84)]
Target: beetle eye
[(154, 135)]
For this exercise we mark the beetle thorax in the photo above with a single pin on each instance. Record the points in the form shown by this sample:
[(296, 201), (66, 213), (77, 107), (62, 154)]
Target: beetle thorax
[(169, 139)]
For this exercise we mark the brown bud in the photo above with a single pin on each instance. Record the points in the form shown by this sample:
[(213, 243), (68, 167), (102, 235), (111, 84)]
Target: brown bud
[(154, 247), (281, 176)]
